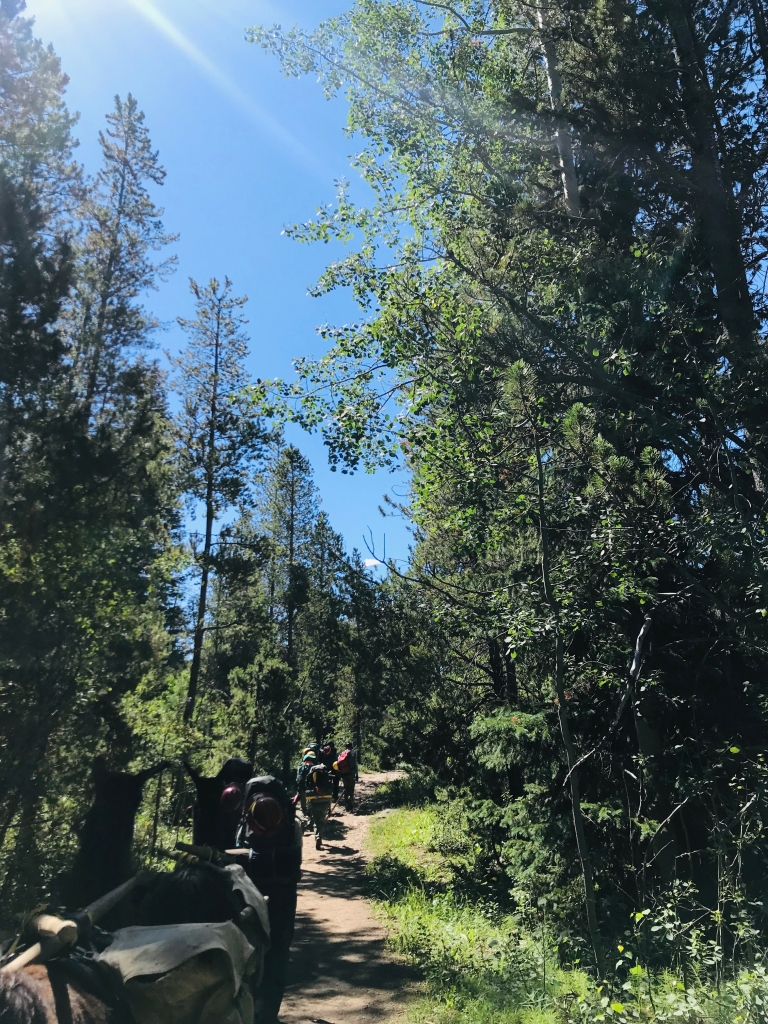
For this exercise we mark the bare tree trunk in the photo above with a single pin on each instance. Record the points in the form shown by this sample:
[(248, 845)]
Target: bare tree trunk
[(291, 603), (562, 135), (565, 727), (199, 634), (664, 845), (716, 207), (156, 814)]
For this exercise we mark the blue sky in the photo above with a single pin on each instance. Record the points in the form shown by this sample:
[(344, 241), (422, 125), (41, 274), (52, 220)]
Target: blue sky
[(247, 151)]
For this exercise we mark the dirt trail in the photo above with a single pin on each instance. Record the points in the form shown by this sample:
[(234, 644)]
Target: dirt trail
[(341, 971)]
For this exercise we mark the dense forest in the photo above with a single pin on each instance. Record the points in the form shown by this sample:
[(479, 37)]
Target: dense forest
[(561, 279), (170, 585)]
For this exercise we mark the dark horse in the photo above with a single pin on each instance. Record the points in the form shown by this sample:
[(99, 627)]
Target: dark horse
[(52, 994), (103, 860)]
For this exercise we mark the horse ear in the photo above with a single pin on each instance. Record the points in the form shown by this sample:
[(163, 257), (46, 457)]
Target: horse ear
[(99, 771), (150, 773), (194, 775)]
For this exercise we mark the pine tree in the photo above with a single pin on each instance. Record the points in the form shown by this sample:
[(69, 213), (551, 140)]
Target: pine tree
[(35, 125), (121, 229), (87, 507), (322, 631), (249, 689), (289, 508), (36, 175), (218, 437)]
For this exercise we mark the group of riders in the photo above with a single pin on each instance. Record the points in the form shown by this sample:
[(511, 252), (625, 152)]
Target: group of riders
[(257, 813), (321, 774)]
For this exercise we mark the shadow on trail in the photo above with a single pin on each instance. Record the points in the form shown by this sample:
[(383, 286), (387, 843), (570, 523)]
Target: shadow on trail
[(340, 868), (355, 960), (341, 971), (334, 829)]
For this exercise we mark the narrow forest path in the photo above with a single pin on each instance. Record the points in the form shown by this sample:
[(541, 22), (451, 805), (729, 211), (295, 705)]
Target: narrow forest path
[(341, 971)]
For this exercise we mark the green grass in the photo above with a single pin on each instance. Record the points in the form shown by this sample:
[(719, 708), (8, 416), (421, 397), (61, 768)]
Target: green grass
[(483, 966), (479, 965), (406, 835)]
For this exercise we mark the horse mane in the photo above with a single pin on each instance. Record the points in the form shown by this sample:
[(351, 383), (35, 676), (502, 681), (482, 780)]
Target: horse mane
[(192, 893), (20, 1000)]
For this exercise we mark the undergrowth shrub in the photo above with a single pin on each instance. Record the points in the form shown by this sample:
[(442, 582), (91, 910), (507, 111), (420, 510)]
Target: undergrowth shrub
[(484, 963), (412, 789)]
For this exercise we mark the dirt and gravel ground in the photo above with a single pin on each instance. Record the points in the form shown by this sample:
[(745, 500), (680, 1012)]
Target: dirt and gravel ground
[(341, 970)]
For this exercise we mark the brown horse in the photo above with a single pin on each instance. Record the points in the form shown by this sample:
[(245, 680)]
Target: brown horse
[(37, 995), (53, 994), (40, 994)]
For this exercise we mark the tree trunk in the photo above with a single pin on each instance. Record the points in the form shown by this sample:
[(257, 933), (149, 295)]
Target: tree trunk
[(562, 134), (503, 671), (291, 603), (10, 813), (105, 292), (761, 31), (713, 194), (664, 846), (510, 679), (210, 516), (565, 727), (156, 814)]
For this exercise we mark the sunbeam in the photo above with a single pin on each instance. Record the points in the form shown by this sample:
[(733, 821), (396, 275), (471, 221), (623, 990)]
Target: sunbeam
[(231, 89)]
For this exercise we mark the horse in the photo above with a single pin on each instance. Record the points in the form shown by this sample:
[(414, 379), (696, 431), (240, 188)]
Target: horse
[(38, 995), (192, 893), (62, 993), (103, 860)]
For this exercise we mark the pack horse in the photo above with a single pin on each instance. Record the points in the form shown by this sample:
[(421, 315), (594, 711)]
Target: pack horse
[(187, 946)]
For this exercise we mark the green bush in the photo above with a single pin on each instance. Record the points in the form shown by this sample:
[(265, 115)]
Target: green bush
[(413, 789), (483, 964)]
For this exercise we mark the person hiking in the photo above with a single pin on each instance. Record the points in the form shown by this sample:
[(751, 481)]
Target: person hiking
[(307, 763), (318, 789), (235, 810), (347, 769), (270, 830), (328, 757)]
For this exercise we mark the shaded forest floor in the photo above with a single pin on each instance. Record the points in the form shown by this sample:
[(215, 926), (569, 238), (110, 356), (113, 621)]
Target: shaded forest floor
[(341, 969)]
